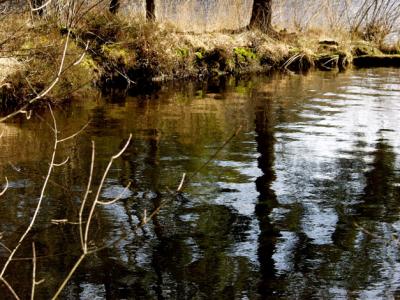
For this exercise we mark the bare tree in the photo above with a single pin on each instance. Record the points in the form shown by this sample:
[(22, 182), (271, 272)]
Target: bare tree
[(261, 16), (150, 9), (376, 19)]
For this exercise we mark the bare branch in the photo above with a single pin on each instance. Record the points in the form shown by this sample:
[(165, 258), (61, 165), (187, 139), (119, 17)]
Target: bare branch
[(42, 6), (144, 219), (84, 235), (86, 196), (213, 156), (64, 53), (28, 114), (117, 198), (75, 134), (71, 272), (82, 56), (33, 271), (5, 188), (46, 91), (182, 182), (41, 95), (39, 204), (62, 163), (89, 219), (52, 164), (9, 288), (5, 247)]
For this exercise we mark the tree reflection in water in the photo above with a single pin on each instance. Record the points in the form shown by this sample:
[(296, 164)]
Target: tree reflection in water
[(304, 203), (264, 128)]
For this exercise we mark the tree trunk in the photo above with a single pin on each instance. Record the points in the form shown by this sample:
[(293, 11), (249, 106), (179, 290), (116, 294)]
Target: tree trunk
[(150, 9), (114, 6), (262, 15)]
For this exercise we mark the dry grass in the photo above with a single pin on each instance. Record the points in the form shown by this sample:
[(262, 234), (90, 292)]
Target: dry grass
[(8, 66), (194, 15), (204, 16)]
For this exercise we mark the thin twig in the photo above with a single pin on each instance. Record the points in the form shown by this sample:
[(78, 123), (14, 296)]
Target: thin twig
[(42, 6), (62, 163), (5, 247), (38, 206), (5, 188), (182, 182), (116, 198), (71, 272), (33, 271), (212, 157), (41, 95), (82, 56), (75, 134), (86, 195), (12, 291), (85, 238)]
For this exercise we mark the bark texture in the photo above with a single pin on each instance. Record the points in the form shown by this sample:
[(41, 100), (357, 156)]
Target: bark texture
[(150, 9), (261, 16)]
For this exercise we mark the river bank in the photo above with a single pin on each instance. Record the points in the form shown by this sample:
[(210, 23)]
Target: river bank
[(109, 51)]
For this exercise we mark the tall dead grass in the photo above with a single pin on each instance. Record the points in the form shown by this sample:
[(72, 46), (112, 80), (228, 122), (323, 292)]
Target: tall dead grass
[(205, 16)]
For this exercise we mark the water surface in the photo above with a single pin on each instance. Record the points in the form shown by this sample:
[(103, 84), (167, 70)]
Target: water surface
[(303, 202)]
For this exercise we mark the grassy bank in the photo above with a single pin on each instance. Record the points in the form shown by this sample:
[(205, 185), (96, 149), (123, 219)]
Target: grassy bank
[(35, 53), (119, 52)]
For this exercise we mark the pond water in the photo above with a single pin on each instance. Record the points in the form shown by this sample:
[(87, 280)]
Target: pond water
[(302, 203)]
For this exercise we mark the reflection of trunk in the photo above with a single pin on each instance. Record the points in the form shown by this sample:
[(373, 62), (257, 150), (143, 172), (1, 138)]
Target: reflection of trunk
[(381, 194), (267, 198), (150, 9), (262, 15)]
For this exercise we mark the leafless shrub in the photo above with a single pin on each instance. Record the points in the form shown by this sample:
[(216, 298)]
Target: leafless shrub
[(371, 19), (375, 19), (85, 215)]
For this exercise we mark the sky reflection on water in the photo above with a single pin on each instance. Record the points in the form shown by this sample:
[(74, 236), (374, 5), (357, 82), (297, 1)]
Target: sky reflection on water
[(304, 202)]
